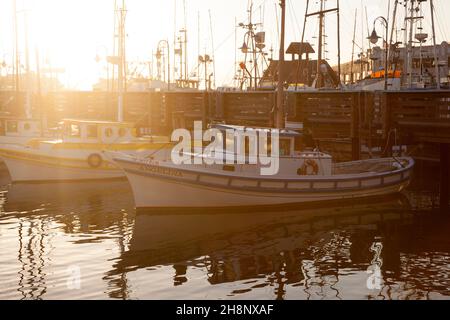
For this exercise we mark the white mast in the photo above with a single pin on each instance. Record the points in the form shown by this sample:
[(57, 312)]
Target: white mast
[(28, 110), (280, 123), (436, 62), (121, 61)]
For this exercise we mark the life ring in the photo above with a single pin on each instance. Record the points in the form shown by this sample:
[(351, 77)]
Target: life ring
[(303, 170), (95, 160)]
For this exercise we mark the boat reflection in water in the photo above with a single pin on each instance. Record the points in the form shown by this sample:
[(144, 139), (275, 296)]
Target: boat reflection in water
[(311, 253), (308, 253), (48, 228)]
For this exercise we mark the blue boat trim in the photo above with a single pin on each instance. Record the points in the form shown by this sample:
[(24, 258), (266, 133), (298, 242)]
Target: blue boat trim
[(283, 190)]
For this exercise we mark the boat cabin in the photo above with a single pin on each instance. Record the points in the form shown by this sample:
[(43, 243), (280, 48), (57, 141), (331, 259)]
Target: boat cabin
[(288, 139), (96, 131), (16, 127)]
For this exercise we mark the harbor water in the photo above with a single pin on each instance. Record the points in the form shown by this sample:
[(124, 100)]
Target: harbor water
[(85, 241)]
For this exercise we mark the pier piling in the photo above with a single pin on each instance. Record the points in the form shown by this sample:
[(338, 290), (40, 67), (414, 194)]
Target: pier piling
[(444, 177)]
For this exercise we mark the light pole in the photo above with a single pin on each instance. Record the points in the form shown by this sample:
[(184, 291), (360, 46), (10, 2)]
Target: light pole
[(159, 54), (205, 60), (374, 39)]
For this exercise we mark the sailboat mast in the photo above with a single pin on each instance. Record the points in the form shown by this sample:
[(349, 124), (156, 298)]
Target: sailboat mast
[(16, 52), (186, 72), (436, 63), (410, 43), (353, 49), (319, 59), (339, 40), (28, 111), (39, 92), (121, 66), (280, 90)]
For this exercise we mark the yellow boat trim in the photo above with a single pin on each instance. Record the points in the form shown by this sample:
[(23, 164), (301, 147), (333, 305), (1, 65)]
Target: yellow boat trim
[(110, 147)]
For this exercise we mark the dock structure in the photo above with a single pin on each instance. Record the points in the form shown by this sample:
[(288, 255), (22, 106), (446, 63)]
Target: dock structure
[(347, 124)]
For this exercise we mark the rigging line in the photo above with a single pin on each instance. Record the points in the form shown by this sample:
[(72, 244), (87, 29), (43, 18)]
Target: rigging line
[(439, 20), (278, 28), (294, 14), (213, 52), (227, 38), (294, 31)]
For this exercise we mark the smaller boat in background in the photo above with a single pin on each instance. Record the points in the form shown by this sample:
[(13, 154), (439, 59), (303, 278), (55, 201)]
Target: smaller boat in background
[(78, 152)]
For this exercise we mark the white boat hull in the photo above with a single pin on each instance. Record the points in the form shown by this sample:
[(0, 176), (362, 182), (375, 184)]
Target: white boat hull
[(159, 188), (31, 165), (29, 171)]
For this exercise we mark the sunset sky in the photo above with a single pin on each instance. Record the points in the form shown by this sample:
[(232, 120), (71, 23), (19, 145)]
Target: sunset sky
[(70, 33)]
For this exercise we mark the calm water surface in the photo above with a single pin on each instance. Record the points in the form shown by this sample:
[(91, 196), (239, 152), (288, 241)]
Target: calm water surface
[(85, 241)]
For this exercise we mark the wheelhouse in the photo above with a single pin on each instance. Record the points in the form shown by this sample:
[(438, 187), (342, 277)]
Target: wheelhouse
[(288, 139)]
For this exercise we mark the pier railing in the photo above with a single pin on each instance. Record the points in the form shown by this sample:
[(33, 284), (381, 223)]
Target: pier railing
[(350, 124)]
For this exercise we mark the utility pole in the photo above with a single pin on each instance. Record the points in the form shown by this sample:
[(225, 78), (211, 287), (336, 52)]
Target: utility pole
[(280, 92)]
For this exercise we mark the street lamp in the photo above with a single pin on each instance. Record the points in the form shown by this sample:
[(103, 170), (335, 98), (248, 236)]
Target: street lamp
[(205, 60), (159, 54), (374, 39)]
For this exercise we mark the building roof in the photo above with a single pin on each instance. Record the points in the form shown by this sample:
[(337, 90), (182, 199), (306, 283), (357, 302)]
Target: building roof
[(300, 48)]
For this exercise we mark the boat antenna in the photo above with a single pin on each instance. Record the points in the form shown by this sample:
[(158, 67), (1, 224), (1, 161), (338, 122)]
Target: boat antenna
[(280, 121)]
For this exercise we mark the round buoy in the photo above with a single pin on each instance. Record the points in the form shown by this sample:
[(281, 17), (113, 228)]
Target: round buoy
[(303, 170), (95, 160)]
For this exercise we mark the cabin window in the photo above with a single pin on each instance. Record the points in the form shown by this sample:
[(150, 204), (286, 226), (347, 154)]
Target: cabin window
[(74, 130), (108, 132), (122, 132), (285, 147), (92, 131), (11, 126)]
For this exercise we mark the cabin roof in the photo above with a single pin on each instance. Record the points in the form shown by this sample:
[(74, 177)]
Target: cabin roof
[(100, 122), (12, 118), (282, 132)]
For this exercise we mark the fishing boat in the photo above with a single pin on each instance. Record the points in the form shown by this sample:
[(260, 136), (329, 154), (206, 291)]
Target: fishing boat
[(303, 177), (78, 152)]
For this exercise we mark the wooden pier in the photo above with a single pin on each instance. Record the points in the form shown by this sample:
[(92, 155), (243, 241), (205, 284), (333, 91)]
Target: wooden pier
[(347, 124)]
